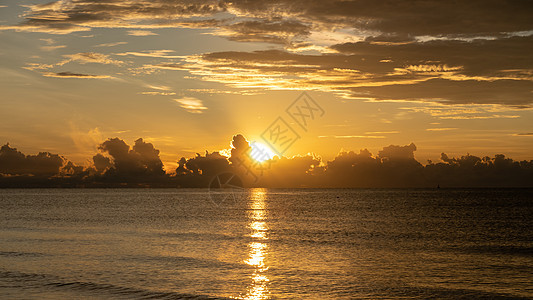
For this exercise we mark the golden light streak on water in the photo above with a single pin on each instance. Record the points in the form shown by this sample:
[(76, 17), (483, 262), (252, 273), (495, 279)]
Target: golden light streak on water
[(258, 248)]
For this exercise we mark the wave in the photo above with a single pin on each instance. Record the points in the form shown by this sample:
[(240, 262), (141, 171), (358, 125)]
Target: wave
[(423, 292), (50, 284), (24, 254), (500, 249), (185, 261)]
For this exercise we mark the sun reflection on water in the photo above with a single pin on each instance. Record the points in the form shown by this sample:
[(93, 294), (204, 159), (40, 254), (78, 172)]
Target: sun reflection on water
[(258, 249)]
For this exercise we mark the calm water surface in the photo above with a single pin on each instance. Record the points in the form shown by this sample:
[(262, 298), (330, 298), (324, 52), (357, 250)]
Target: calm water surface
[(266, 244)]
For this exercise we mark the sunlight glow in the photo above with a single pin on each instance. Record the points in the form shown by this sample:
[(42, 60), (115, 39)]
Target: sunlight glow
[(261, 152)]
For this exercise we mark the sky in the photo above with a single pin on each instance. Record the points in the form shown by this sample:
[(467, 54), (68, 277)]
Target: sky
[(454, 77)]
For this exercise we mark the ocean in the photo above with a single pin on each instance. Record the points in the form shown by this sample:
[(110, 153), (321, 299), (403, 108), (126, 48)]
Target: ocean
[(266, 244)]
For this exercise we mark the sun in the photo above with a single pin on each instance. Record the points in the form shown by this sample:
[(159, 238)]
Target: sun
[(261, 152)]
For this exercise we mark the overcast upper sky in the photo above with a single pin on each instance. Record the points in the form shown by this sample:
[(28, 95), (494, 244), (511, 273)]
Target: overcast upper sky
[(451, 76)]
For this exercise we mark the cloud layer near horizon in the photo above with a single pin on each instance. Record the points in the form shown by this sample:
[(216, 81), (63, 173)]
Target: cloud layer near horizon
[(118, 164)]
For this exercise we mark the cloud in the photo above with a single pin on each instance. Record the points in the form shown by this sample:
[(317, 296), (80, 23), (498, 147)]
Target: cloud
[(102, 163), (441, 129), (56, 29), (276, 32), (151, 53), (90, 57), (465, 52), (161, 90), (159, 87), (111, 44), (264, 18), (221, 91), (141, 160), (451, 72), (65, 17), (211, 164), (14, 162), (82, 58), (141, 33), (239, 147), (395, 166), (85, 141), (394, 152), (467, 111), (50, 45), (48, 41), (191, 105), (158, 93), (382, 132), (353, 136), (52, 48), (119, 165), (74, 75)]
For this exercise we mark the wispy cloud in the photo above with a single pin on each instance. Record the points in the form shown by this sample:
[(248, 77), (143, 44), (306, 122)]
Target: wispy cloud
[(82, 58), (352, 136), (158, 93), (52, 48), (494, 116), (50, 45), (141, 33), (111, 44), (48, 41), (151, 53), (441, 129), (191, 104), (381, 51), (158, 87), (467, 111), (382, 132), (74, 75), (523, 134), (90, 57), (220, 91), (361, 75)]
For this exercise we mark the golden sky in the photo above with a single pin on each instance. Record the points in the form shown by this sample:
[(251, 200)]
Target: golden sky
[(188, 75)]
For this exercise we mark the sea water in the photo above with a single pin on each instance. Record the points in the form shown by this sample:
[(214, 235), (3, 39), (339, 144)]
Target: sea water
[(266, 244)]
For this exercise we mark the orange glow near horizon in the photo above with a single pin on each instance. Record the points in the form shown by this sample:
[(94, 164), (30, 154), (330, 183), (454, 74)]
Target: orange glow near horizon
[(188, 85)]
